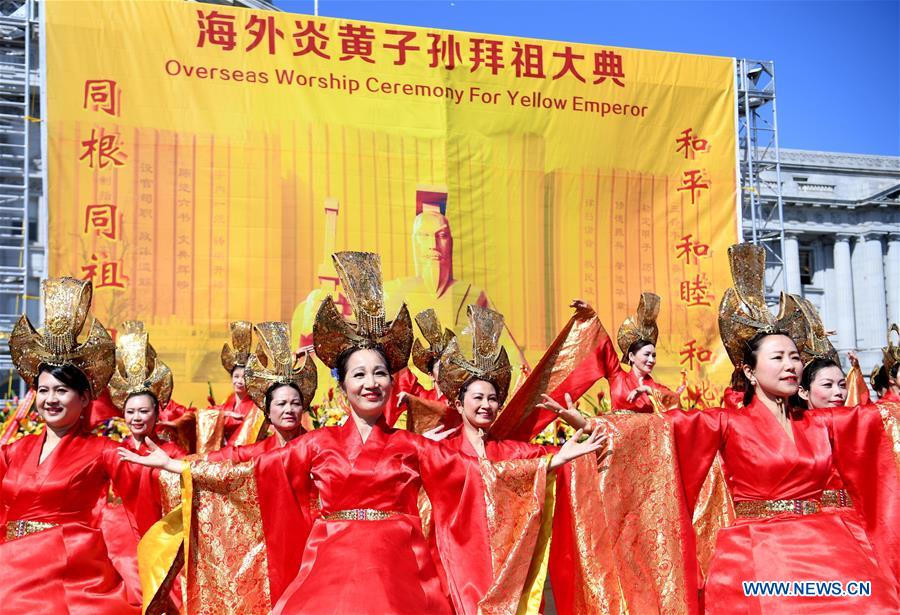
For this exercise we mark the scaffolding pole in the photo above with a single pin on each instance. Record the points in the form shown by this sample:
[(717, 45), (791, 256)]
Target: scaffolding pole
[(19, 136), (762, 213)]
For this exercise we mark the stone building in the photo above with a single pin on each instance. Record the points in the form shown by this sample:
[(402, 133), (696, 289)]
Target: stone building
[(842, 243)]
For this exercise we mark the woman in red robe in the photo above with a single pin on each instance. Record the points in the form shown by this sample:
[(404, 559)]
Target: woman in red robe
[(140, 387), (281, 390), (367, 476), (886, 378), (636, 390), (54, 554), (478, 388), (777, 463)]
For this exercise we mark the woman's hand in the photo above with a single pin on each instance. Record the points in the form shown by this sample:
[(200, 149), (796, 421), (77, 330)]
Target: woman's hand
[(569, 414), (440, 433), (401, 397), (854, 360), (573, 449), (156, 459), (583, 309), (638, 391), (683, 385)]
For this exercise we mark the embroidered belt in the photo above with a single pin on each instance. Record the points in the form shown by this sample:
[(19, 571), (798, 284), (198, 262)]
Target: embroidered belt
[(18, 529), (836, 498), (361, 514), (771, 508)]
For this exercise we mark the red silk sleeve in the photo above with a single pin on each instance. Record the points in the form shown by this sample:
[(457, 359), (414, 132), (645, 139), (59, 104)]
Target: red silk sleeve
[(580, 355), (285, 490), (102, 409), (172, 411), (138, 486), (4, 464), (454, 486), (698, 437), (864, 456), (404, 382), (857, 389)]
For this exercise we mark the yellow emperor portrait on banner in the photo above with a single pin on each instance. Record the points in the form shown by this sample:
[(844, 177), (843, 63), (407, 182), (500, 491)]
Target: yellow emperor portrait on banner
[(204, 161)]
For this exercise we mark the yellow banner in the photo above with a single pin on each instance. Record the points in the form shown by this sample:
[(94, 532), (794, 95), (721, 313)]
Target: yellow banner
[(206, 160)]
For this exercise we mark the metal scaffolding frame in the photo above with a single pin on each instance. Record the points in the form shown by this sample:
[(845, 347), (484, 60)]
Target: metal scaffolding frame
[(20, 168), (762, 212)]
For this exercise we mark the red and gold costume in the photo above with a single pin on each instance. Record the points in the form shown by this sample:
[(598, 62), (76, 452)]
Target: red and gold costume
[(641, 326), (781, 532), (214, 426), (368, 491), (423, 357), (273, 364), (55, 556)]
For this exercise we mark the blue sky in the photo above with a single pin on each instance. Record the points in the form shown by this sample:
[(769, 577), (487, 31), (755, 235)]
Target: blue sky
[(837, 64)]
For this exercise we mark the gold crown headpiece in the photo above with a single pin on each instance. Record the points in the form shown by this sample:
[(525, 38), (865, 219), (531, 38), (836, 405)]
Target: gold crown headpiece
[(274, 363), (641, 326), (66, 305), (238, 353), (360, 274), (892, 351), (489, 359), (873, 377), (138, 369), (817, 344), (437, 340), (743, 312)]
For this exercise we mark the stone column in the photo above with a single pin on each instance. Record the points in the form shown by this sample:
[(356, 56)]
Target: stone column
[(843, 285), (871, 315), (792, 264), (892, 277)]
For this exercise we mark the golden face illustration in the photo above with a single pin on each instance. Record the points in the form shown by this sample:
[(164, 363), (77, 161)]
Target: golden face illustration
[(432, 241)]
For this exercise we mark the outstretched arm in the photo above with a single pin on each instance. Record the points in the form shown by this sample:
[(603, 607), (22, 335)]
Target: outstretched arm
[(158, 458), (574, 449)]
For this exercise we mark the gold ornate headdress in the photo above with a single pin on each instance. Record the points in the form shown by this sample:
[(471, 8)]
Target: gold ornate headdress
[(66, 305), (138, 369), (489, 360), (873, 377), (360, 274), (892, 351), (241, 339), (640, 326), (437, 340), (743, 312), (817, 345), (274, 363)]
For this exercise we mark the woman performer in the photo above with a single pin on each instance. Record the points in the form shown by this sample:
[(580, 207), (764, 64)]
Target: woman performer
[(886, 378), (53, 552), (140, 386), (639, 488), (778, 462), (367, 476), (636, 390), (278, 386), (237, 421), (426, 359)]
